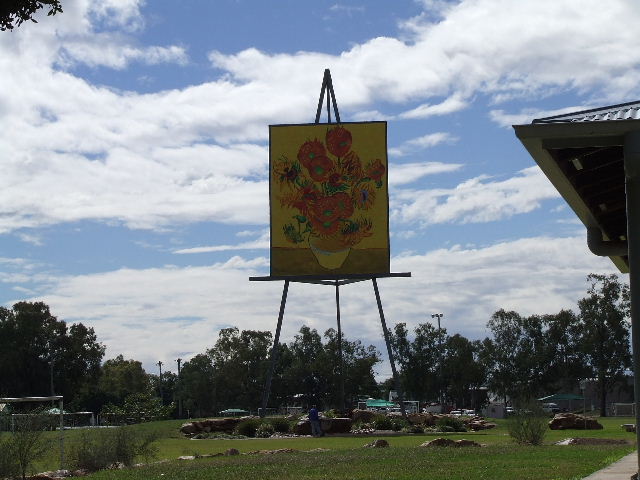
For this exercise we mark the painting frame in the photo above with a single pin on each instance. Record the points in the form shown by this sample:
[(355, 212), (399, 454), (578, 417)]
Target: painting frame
[(329, 214)]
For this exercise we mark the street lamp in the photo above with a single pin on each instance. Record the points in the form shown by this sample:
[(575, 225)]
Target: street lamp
[(160, 381), (179, 360), (439, 316), (583, 387)]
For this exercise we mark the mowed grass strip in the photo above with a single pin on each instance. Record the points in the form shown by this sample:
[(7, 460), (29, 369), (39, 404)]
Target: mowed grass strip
[(494, 462), (501, 458)]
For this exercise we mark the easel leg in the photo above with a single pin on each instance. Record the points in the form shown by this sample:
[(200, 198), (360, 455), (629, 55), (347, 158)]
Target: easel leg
[(396, 379), (274, 351), (340, 360)]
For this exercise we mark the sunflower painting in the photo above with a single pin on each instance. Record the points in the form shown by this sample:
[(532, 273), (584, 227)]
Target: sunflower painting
[(329, 199)]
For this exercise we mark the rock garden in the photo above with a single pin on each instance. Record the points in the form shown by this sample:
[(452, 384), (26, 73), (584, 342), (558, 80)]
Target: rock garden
[(358, 422)]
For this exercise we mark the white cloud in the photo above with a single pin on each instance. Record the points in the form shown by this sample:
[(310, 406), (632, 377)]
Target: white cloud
[(123, 13), (114, 52), (475, 200), (259, 243), (420, 143), (102, 153), (527, 115), (404, 173), (450, 105), (161, 313)]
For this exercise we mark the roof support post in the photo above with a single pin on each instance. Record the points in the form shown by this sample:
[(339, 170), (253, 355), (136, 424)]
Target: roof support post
[(632, 187)]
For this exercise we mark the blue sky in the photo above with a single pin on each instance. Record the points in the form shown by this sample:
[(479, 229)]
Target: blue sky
[(134, 152)]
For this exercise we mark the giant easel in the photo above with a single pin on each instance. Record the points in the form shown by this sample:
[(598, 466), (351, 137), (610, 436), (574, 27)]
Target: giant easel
[(332, 280)]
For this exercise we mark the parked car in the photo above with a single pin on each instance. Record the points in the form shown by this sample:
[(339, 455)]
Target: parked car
[(455, 413), (550, 407), (469, 412)]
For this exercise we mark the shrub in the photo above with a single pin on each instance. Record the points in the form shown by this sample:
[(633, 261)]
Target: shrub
[(8, 464), (413, 429), (398, 424), (528, 425), (264, 430), (280, 425), (360, 425), (26, 444), (450, 424), (98, 449), (382, 422), (248, 427)]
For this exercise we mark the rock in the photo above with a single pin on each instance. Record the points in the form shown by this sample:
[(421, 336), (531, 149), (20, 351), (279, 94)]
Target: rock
[(479, 423), (426, 419), (379, 443), (116, 466), (593, 441), (566, 421), (226, 425), (232, 451), (463, 442), (303, 427), (81, 472), (362, 416), (187, 457), (271, 452), (335, 425), (188, 428), (447, 442), (53, 475), (439, 442)]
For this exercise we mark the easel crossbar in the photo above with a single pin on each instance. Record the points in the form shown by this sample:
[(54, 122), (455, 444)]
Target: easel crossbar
[(344, 279)]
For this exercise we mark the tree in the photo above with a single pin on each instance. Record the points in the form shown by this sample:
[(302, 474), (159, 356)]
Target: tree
[(121, 378), (357, 369), (169, 386), (565, 361), (518, 355), (604, 338), (463, 373), (198, 386), (39, 353), (309, 370), (14, 12), (240, 361), (419, 359)]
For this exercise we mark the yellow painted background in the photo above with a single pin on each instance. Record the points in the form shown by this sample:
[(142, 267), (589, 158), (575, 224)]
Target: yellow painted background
[(369, 143)]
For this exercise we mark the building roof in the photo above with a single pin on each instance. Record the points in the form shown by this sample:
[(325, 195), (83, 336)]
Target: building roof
[(622, 111), (582, 154)]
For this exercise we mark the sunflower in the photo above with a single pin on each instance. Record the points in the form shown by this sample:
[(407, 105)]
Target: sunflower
[(320, 168), (310, 150), (364, 196), (338, 141)]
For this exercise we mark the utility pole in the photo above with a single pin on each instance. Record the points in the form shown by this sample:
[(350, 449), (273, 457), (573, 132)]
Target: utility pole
[(160, 382), (179, 390), (439, 316)]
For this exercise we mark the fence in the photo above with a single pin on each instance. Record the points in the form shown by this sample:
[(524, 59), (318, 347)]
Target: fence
[(623, 409)]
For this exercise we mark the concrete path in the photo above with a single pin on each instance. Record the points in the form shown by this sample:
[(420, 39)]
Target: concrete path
[(620, 470)]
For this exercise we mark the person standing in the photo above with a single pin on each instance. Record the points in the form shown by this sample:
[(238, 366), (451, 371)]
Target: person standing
[(314, 419)]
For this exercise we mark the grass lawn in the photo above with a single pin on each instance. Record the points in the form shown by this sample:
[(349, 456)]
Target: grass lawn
[(345, 458)]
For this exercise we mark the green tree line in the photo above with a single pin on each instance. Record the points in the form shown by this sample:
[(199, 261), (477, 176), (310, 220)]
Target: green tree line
[(524, 357)]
